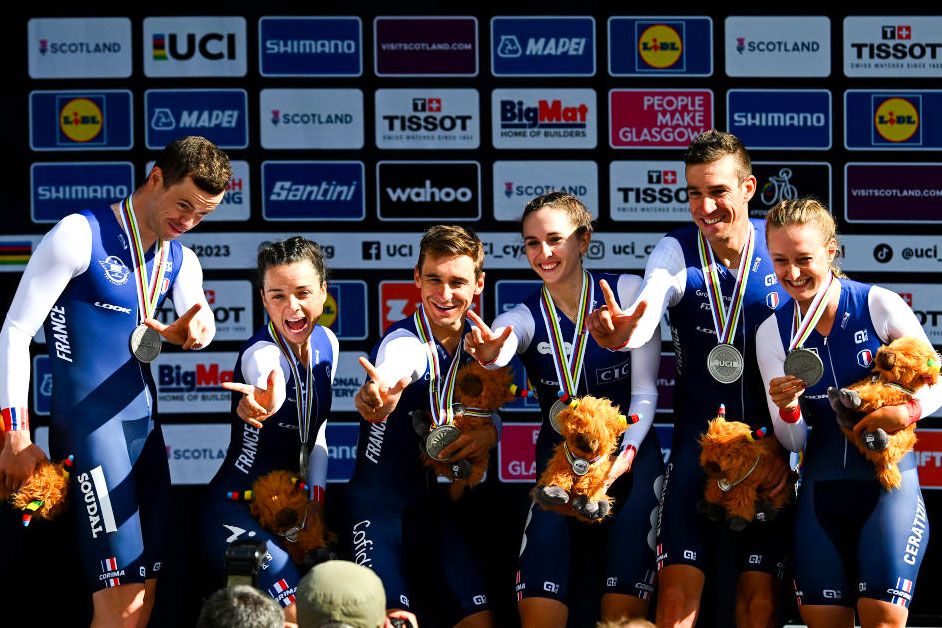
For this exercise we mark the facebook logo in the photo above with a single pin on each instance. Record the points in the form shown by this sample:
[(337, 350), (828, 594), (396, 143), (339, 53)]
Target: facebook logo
[(371, 250)]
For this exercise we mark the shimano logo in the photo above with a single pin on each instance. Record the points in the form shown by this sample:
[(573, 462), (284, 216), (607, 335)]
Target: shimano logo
[(787, 119), (113, 308)]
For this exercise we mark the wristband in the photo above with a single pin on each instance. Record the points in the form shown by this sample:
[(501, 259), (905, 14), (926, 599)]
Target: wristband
[(621, 346), (318, 493), (15, 419), (915, 410), (790, 416), (488, 363)]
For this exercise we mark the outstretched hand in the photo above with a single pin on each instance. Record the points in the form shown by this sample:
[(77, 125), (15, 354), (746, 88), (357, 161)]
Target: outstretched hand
[(188, 331), (257, 404), (376, 400), (482, 342), (621, 465), (611, 326)]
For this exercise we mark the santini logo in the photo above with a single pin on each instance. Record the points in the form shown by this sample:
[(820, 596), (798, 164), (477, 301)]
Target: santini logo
[(428, 193)]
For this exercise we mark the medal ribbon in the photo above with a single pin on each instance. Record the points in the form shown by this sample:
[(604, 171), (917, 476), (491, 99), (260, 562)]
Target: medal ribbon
[(440, 392), (802, 327), (304, 399), (725, 322), (567, 371), (572, 458), (148, 291)]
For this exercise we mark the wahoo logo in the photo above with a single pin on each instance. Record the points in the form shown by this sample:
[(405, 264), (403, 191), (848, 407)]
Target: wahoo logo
[(115, 270), (429, 190), (427, 193), (864, 357), (94, 491), (771, 299)]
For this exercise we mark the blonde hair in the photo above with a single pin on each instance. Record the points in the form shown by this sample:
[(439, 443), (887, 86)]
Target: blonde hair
[(805, 211)]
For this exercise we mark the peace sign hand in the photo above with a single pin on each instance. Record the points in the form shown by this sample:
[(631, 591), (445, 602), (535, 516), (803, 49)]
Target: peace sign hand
[(376, 400), (611, 326), (256, 404), (483, 343), (191, 332)]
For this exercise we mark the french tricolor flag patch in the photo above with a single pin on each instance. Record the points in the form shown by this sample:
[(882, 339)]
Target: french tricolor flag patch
[(109, 564)]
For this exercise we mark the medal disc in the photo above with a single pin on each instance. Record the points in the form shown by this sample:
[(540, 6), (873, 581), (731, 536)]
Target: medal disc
[(439, 438), (805, 365), (725, 363), (304, 460), (580, 466), (145, 343), (554, 412)]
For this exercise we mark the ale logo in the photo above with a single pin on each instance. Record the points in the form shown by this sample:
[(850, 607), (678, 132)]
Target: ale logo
[(81, 120), (329, 316), (896, 119), (660, 46)]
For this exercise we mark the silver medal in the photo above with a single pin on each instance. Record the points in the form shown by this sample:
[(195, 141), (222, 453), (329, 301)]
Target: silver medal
[(805, 365), (305, 459), (554, 412), (580, 466), (439, 438), (145, 343), (725, 363)]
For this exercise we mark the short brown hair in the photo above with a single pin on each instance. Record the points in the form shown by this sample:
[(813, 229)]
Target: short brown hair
[(198, 158), (450, 240), (576, 210), (294, 249), (803, 211), (713, 145)]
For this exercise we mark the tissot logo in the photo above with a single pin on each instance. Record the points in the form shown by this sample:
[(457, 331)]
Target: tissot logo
[(427, 119), (428, 190)]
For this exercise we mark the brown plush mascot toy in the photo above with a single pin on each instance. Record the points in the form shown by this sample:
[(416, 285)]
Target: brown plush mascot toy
[(573, 483), (44, 493), (479, 392), (899, 370), (281, 504), (735, 459)]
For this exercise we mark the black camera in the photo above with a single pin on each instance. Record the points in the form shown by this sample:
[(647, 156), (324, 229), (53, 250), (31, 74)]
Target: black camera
[(243, 560)]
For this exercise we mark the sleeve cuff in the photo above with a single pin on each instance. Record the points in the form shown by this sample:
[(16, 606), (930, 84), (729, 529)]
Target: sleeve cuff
[(15, 419), (318, 493), (915, 410), (790, 416)]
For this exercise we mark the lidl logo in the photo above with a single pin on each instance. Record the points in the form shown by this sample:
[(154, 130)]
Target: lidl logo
[(660, 46), (81, 119), (896, 119), (329, 314)]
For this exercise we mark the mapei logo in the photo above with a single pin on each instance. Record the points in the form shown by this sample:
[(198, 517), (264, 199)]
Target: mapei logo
[(115, 270), (896, 119), (81, 119), (543, 46), (661, 46), (217, 114)]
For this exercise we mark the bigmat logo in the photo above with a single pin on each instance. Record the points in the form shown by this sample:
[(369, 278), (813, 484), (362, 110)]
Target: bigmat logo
[(544, 118), (788, 180), (232, 306), (925, 300), (194, 46), (310, 46), (311, 118), (888, 120), (191, 383), (648, 191), (42, 385), (425, 46), (428, 190), (313, 190), (427, 118), (785, 46), (59, 189), (507, 294), (893, 194), (238, 195), (543, 46), (98, 120), (399, 299), (219, 115), (658, 119), (79, 47), (788, 119), (516, 182), (345, 309), (651, 46), (893, 46)]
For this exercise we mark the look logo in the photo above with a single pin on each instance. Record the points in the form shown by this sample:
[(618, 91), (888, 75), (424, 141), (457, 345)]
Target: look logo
[(660, 46), (81, 120), (896, 119)]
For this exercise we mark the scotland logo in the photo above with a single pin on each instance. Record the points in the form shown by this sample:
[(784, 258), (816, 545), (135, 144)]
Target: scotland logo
[(115, 270)]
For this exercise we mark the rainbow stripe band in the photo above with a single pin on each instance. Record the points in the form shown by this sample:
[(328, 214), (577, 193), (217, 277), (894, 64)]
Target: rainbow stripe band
[(725, 321), (148, 290), (306, 398), (568, 370), (441, 390), (802, 327), (15, 419)]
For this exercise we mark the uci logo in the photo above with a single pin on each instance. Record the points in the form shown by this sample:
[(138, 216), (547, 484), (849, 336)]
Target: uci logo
[(896, 119)]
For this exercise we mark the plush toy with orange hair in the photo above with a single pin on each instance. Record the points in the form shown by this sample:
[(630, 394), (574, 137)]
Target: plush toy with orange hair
[(573, 483), (736, 459), (479, 392), (44, 492), (899, 370), (280, 502)]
